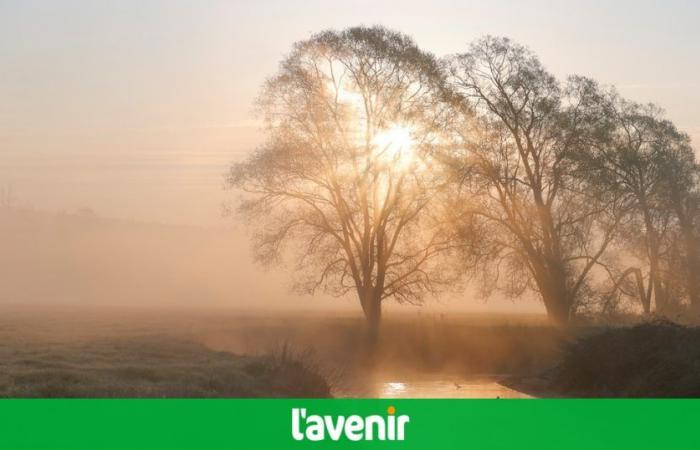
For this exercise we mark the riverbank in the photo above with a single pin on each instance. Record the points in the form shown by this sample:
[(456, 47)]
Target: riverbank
[(151, 367), (658, 359)]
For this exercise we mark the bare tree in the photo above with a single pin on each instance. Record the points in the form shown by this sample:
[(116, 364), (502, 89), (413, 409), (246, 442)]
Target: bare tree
[(683, 188), (346, 181), (647, 160), (515, 128)]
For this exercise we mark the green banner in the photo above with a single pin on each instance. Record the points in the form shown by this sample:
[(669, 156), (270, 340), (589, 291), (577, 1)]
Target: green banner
[(409, 424)]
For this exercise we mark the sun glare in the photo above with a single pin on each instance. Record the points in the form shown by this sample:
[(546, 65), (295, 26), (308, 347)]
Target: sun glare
[(395, 145)]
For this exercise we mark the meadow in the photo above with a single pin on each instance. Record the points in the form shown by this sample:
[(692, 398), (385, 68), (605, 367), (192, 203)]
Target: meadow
[(111, 352)]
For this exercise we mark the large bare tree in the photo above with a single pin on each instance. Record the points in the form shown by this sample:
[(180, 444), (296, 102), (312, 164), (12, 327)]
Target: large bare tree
[(346, 182), (515, 128), (646, 159)]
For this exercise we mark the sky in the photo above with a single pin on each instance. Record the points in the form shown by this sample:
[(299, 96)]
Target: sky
[(136, 108)]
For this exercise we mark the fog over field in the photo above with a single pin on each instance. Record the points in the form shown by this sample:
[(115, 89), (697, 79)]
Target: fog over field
[(82, 259)]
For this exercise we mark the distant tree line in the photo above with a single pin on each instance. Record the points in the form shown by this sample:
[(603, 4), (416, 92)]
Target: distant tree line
[(393, 174)]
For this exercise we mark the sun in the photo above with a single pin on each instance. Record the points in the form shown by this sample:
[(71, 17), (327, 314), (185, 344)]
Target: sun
[(395, 145)]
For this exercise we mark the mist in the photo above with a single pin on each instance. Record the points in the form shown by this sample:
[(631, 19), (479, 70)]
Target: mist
[(127, 128), (81, 259)]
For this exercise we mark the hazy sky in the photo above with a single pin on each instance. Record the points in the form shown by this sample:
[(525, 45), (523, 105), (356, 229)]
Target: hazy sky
[(135, 108)]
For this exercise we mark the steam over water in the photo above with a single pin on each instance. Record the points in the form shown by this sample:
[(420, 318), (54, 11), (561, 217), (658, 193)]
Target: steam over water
[(433, 386), (447, 388)]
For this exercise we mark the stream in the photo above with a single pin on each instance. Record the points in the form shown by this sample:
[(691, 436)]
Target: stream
[(433, 387)]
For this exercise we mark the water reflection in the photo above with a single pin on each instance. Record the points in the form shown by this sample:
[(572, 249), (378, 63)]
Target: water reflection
[(393, 390), (443, 388)]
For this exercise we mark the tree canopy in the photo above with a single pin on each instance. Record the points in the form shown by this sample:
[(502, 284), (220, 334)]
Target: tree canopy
[(346, 181), (382, 164)]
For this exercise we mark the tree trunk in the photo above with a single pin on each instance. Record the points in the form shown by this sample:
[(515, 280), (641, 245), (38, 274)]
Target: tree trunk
[(372, 309), (555, 295), (652, 242), (374, 319), (659, 291), (558, 308)]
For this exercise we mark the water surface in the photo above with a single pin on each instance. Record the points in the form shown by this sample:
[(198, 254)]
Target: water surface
[(434, 387)]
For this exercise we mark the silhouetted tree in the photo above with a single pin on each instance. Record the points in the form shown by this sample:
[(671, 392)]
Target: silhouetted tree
[(346, 181), (380, 163), (683, 186), (647, 160), (515, 128)]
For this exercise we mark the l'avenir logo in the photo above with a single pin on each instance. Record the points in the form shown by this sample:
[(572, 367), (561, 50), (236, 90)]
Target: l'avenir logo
[(313, 427)]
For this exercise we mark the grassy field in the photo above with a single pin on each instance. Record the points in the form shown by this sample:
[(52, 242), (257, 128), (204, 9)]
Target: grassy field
[(150, 367), (82, 352)]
